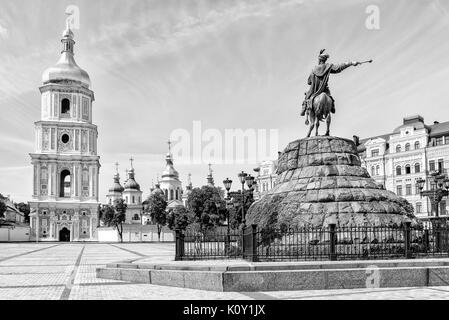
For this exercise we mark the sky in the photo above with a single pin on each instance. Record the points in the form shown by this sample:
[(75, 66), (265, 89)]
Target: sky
[(158, 66)]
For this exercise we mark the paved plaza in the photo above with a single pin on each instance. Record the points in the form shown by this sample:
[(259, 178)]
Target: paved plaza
[(67, 272)]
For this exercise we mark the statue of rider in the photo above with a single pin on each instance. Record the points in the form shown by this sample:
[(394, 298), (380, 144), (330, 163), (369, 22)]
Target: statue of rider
[(319, 78)]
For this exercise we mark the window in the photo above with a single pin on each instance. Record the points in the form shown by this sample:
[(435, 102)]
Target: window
[(416, 145), (398, 148), (407, 146), (446, 139), (418, 207), (177, 194), (65, 107), (375, 153), (441, 165), (373, 172), (171, 194), (398, 170), (408, 169), (65, 138), (432, 165), (136, 217), (408, 189), (417, 190), (134, 199), (439, 141), (399, 190), (65, 183), (377, 170), (417, 168)]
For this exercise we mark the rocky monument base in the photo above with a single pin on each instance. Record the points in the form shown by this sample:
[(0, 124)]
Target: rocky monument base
[(321, 181)]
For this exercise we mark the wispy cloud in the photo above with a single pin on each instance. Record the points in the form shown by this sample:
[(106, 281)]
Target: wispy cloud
[(4, 33)]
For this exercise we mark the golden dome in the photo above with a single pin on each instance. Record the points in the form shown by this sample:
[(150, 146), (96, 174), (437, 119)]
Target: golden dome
[(66, 68)]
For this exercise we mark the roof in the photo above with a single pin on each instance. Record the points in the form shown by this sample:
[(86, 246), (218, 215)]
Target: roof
[(439, 129)]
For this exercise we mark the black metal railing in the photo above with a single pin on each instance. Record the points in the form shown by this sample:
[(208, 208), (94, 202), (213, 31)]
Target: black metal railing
[(328, 243)]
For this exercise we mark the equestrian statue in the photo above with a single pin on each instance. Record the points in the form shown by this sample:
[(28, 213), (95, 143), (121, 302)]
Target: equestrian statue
[(318, 104)]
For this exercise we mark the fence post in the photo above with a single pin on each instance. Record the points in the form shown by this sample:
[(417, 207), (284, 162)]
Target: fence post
[(333, 241), (437, 233), (426, 240), (179, 250), (254, 257), (407, 240)]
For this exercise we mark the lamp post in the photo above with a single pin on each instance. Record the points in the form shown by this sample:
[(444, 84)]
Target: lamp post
[(227, 183), (242, 177), (439, 190)]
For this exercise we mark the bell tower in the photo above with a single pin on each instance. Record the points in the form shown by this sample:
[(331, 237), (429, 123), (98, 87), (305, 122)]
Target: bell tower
[(65, 162)]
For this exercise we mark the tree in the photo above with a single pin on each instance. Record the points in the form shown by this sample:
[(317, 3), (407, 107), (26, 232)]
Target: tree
[(235, 213), (207, 207), (25, 209), (114, 216), (2, 209), (156, 206), (178, 218)]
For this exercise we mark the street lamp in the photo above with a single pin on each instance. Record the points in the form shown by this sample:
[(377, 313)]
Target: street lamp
[(439, 190), (243, 178), (227, 183)]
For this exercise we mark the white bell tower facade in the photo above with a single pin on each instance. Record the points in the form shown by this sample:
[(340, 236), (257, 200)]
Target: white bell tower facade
[(65, 162)]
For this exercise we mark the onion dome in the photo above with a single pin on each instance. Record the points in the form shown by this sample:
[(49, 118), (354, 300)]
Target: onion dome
[(170, 171), (116, 187), (158, 190), (131, 183), (66, 68)]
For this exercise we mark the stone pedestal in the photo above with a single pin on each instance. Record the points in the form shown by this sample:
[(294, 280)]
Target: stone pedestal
[(320, 181)]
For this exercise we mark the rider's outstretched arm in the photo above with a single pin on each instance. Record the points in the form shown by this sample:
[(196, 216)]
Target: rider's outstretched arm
[(337, 68)]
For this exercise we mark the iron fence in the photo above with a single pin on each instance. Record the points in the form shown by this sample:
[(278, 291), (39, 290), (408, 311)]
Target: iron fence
[(327, 243)]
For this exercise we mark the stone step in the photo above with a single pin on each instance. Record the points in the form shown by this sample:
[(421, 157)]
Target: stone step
[(334, 276)]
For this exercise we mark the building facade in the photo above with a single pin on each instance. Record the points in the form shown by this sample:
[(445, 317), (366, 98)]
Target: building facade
[(66, 166), (265, 178), (413, 150)]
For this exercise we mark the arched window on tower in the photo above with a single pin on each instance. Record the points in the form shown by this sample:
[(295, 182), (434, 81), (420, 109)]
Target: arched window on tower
[(166, 193), (398, 148), (171, 194), (398, 170), (177, 194), (65, 107), (65, 184)]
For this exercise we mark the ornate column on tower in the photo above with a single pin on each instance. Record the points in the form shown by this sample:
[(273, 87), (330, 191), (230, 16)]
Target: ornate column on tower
[(65, 163)]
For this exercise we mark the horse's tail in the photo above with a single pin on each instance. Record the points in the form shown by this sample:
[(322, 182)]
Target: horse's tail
[(307, 117)]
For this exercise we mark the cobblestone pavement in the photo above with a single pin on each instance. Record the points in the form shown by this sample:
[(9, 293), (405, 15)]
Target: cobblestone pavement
[(67, 271)]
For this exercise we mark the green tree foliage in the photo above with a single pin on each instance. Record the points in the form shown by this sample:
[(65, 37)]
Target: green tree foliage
[(155, 207), (207, 207), (25, 209), (114, 216), (178, 218)]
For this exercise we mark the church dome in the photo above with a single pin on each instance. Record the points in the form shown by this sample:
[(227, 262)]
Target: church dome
[(170, 171), (131, 183), (116, 187), (158, 190), (66, 68)]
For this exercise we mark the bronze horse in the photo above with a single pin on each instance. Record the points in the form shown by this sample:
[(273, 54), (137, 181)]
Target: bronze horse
[(319, 111)]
